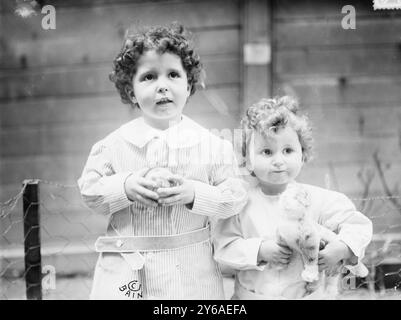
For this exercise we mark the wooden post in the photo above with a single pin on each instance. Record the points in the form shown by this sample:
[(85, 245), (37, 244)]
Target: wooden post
[(256, 39), (33, 264)]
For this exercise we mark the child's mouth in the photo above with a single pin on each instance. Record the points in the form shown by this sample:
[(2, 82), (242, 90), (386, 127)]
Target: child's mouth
[(163, 101)]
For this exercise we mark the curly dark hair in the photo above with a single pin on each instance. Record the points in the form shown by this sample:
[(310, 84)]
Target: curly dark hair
[(268, 115), (172, 39)]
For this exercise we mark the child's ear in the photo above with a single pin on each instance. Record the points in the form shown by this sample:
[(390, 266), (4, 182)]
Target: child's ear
[(250, 151), (188, 93), (249, 162), (303, 158), (131, 95)]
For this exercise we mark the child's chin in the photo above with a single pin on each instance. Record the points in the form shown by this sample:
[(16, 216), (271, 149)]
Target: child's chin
[(274, 182)]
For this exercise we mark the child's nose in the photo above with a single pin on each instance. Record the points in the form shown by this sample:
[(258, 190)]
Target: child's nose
[(278, 161), (162, 86), (162, 90)]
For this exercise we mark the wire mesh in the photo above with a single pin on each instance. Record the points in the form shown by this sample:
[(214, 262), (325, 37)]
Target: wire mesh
[(69, 230)]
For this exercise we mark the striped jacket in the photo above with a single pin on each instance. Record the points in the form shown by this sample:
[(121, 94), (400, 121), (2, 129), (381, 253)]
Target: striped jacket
[(187, 149)]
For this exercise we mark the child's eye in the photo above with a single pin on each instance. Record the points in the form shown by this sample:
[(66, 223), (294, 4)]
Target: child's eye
[(174, 75), (266, 152), (148, 77), (288, 150)]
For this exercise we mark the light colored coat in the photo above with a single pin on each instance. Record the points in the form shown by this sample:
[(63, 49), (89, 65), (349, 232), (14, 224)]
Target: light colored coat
[(186, 149), (238, 239)]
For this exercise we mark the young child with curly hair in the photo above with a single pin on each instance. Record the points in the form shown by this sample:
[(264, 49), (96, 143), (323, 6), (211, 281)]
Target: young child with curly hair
[(161, 178), (274, 242)]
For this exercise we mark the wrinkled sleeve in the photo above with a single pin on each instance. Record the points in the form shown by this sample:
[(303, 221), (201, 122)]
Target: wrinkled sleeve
[(232, 249), (102, 189), (352, 227), (225, 195)]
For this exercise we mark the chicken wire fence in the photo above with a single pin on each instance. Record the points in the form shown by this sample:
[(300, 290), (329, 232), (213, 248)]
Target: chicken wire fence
[(47, 237)]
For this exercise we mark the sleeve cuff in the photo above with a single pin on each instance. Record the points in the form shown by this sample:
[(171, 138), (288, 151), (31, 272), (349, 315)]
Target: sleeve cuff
[(116, 197), (254, 250), (354, 264), (245, 257), (251, 254), (213, 201), (203, 203), (353, 245)]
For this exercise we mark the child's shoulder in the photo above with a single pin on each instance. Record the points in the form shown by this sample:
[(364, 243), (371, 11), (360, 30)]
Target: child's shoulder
[(208, 135), (113, 137), (323, 194), (189, 124)]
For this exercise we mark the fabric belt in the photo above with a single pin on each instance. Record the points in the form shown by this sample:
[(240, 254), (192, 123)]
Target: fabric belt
[(151, 243)]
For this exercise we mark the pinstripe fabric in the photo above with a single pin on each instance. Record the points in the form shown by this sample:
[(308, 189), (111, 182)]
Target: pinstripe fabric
[(186, 149)]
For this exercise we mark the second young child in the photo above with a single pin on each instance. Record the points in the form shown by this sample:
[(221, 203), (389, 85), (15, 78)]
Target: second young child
[(277, 144)]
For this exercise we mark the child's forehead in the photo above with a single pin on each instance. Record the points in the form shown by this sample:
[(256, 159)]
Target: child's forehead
[(282, 135), (154, 58)]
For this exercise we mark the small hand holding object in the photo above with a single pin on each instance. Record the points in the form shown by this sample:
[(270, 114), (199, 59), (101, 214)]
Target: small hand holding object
[(139, 188), (162, 177), (331, 255), (272, 252), (181, 193)]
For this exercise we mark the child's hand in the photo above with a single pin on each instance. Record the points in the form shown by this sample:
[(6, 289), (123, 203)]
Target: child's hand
[(332, 254), (137, 189), (183, 193), (162, 177), (271, 251)]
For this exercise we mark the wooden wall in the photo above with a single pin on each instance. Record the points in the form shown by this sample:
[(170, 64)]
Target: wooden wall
[(349, 83)]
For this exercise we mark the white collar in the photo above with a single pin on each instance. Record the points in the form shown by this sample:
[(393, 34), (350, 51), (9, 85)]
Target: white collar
[(186, 133)]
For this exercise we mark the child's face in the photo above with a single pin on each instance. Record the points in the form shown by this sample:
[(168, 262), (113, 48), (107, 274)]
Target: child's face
[(277, 158), (161, 88)]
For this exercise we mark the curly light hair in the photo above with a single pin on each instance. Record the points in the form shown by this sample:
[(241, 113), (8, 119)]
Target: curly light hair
[(267, 116), (172, 39)]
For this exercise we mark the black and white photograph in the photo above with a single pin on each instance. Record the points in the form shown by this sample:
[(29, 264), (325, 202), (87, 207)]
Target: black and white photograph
[(203, 150)]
